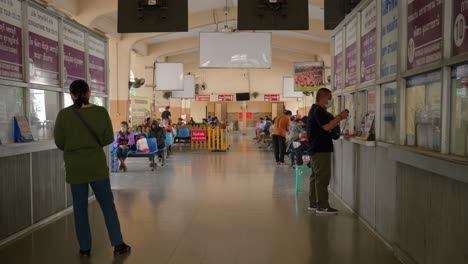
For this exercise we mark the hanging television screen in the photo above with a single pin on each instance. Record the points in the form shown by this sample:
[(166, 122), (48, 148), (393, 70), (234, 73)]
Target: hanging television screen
[(152, 16), (273, 15), (242, 96)]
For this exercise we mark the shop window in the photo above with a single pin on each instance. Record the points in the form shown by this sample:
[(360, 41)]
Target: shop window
[(389, 110), (45, 106), (12, 103), (459, 126), (97, 101), (423, 111)]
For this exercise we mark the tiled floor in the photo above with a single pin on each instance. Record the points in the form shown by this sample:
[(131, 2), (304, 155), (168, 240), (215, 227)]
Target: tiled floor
[(204, 207)]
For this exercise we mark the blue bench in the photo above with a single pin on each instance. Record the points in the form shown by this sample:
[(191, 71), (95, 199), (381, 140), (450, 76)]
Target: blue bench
[(183, 134), (169, 142)]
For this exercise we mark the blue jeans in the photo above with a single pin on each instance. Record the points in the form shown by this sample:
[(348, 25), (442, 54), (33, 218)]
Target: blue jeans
[(103, 193)]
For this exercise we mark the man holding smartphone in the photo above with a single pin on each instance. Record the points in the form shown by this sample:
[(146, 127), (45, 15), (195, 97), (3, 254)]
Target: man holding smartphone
[(319, 127)]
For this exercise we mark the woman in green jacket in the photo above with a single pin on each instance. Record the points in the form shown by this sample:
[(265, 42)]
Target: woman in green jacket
[(81, 132)]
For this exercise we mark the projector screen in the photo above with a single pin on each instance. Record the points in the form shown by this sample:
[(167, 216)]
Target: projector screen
[(169, 76), (288, 88), (189, 88), (235, 50)]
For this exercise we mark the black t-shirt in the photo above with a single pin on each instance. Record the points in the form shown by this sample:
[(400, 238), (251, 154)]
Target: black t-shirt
[(319, 139), (165, 115)]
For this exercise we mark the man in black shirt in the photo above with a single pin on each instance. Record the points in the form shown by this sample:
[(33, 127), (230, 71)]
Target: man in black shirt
[(319, 125), (166, 114)]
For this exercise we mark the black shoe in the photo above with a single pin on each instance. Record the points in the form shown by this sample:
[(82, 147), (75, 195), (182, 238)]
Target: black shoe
[(122, 249), (312, 208), (86, 253), (327, 211)]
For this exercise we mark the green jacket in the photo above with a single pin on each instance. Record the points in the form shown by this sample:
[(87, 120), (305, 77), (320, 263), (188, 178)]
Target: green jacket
[(85, 160)]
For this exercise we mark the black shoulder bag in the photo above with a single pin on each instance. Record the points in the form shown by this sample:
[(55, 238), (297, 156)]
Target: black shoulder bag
[(90, 130)]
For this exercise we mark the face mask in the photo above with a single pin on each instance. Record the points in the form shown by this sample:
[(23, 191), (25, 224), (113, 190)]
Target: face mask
[(330, 104), (123, 129)]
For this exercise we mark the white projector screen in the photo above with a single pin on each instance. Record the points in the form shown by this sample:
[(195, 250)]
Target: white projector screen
[(235, 50), (288, 88), (189, 88), (169, 76)]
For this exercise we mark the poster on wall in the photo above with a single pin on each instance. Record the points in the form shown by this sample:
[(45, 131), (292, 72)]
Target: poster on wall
[(272, 97), (11, 51), (43, 47), (369, 42), (308, 76), (351, 53), (424, 32), (338, 61), (202, 98), (73, 55), (140, 109), (389, 38), (460, 16), (97, 64)]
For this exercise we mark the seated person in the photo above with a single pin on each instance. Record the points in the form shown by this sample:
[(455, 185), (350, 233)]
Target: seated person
[(215, 121), (191, 121), (148, 123), (266, 131), (169, 127), (181, 122), (293, 133), (124, 142), (301, 143), (159, 133), (260, 127)]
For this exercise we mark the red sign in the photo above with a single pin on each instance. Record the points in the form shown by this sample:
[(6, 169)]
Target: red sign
[(225, 97), (424, 32), (460, 17), (198, 135), (249, 115), (202, 98), (272, 97)]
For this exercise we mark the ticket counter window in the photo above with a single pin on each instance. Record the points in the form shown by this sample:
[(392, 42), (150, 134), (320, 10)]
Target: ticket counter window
[(389, 117), (45, 106), (423, 111), (12, 103), (349, 126), (459, 126)]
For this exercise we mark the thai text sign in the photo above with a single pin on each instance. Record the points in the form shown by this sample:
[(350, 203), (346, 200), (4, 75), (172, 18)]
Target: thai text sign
[(272, 97), (369, 42), (11, 52), (226, 97), (73, 54), (424, 32), (460, 15), (338, 61), (198, 135), (97, 64), (202, 98), (351, 53), (389, 38)]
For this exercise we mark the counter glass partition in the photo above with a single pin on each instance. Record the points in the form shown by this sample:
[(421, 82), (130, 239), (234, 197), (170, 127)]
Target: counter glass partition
[(11, 104), (459, 127), (389, 109), (423, 111), (45, 106)]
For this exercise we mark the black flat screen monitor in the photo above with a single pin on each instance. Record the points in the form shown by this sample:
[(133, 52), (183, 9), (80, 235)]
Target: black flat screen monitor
[(136, 16), (242, 96), (273, 15)]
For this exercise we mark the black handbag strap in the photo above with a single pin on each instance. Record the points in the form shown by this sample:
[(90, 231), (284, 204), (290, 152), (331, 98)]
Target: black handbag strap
[(90, 130)]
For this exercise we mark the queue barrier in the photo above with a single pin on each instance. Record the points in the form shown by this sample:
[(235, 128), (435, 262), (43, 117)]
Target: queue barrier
[(215, 139)]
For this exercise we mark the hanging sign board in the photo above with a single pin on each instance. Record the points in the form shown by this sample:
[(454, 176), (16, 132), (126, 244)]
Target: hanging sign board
[(226, 97), (272, 97), (22, 131), (369, 42), (97, 64), (338, 61), (43, 47), (308, 76), (140, 109), (460, 16), (424, 32), (198, 135), (389, 38), (202, 98), (73, 54), (351, 53), (11, 51)]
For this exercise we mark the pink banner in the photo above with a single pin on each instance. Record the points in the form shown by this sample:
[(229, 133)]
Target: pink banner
[(198, 135), (11, 51), (225, 97), (460, 16), (43, 47), (424, 32), (202, 98), (272, 97), (74, 55)]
